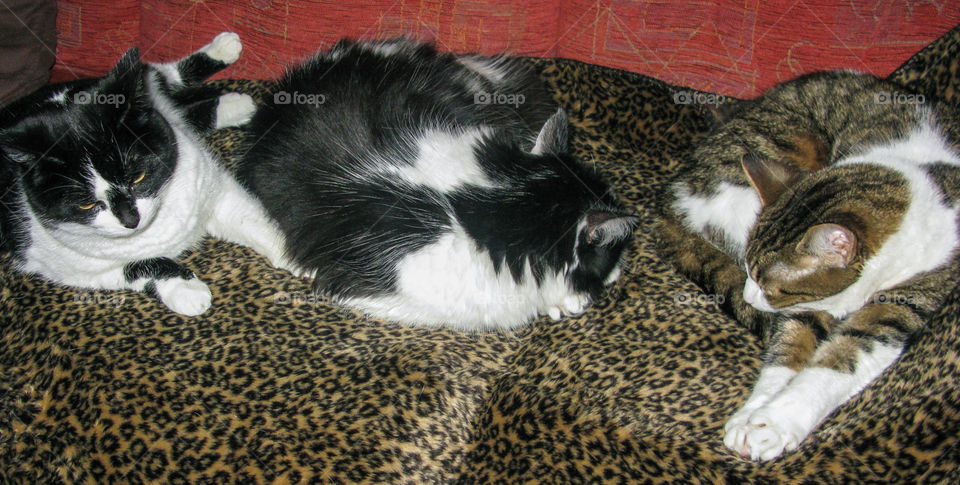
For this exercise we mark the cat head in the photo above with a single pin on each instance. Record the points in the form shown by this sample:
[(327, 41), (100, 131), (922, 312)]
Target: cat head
[(601, 238), (93, 160), (817, 229), (599, 224)]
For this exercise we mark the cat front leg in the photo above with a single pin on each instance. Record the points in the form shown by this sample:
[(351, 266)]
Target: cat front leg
[(714, 271), (790, 347), (860, 349), (175, 285), (784, 422), (738, 429)]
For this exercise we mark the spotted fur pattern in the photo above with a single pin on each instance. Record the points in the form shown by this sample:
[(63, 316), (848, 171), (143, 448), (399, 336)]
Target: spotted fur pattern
[(275, 386)]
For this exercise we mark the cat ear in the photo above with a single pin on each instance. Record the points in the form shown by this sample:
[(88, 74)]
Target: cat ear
[(605, 227), (128, 67), (553, 137), (770, 178), (124, 81), (833, 245), (24, 142)]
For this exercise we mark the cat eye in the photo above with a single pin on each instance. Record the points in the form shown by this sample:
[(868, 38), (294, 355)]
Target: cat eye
[(87, 207), (139, 178)]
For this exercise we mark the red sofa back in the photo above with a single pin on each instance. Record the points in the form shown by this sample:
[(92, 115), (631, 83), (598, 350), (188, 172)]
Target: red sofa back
[(738, 48)]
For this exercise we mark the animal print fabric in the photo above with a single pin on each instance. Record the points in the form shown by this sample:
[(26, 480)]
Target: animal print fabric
[(276, 385)]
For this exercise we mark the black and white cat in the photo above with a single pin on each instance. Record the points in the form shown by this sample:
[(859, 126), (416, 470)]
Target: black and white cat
[(433, 189), (106, 181)]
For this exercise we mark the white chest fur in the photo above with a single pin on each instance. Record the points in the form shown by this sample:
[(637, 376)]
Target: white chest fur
[(731, 210), (72, 255)]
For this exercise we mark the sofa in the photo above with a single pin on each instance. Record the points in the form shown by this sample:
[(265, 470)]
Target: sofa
[(276, 385)]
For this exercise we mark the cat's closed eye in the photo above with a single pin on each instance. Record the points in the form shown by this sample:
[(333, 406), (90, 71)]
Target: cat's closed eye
[(139, 178), (87, 207)]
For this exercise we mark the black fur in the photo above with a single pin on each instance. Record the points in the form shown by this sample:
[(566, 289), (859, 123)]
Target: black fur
[(534, 216), (156, 269), (323, 170)]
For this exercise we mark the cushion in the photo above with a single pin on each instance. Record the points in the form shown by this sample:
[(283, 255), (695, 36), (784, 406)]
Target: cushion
[(28, 46), (728, 46)]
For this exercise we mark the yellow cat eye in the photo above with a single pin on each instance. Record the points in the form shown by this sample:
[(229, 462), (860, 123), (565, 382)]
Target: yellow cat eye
[(87, 207), (140, 177)]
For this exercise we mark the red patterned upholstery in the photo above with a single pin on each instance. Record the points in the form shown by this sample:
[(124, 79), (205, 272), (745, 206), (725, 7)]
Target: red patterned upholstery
[(733, 47)]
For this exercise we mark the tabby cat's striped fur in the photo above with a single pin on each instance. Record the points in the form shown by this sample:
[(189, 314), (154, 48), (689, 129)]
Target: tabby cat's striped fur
[(837, 193)]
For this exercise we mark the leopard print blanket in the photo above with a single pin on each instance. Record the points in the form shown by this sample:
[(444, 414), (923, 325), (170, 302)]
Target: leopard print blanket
[(276, 385)]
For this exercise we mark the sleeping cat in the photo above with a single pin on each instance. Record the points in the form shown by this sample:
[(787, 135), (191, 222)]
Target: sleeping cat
[(106, 180), (433, 189), (825, 213)]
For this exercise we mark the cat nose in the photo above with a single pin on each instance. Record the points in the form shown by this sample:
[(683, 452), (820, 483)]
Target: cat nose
[(126, 213), (130, 221)]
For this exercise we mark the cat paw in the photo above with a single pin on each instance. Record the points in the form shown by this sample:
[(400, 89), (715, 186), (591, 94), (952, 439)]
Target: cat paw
[(735, 432), (761, 435), (225, 48), (572, 305), (234, 109), (186, 297)]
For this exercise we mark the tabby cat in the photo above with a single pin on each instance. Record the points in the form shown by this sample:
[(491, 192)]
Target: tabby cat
[(433, 189), (824, 213), (106, 181)]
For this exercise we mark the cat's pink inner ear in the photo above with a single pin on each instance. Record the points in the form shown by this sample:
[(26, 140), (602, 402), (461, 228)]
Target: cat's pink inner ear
[(770, 178), (831, 244)]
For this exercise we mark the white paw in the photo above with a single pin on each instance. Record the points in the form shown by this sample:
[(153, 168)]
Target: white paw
[(735, 431), (186, 297), (575, 304), (613, 276), (555, 313), (225, 48), (761, 435), (234, 109), (571, 305)]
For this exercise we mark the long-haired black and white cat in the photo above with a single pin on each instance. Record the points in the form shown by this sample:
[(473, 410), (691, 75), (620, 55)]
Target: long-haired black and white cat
[(433, 189), (106, 180)]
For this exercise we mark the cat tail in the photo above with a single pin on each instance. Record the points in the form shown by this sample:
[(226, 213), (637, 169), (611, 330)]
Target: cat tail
[(714, 271)]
